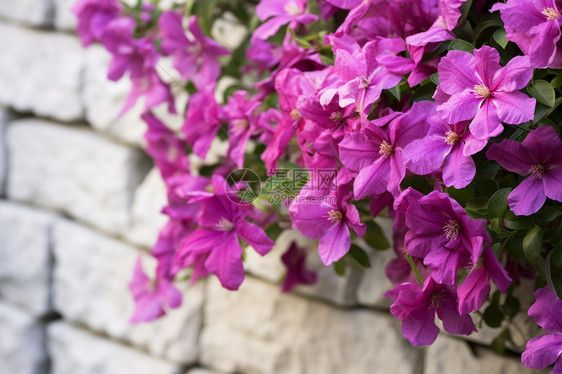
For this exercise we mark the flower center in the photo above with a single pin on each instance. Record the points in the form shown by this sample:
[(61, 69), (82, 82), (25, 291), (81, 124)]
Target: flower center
[(224, 225), (385, 149), (451, 229), (365, 83), (550, 14), (240, 124), (537, 171), (293, 9), (335, 215), (295, 115), (172, 154), (337, 117), (452, 137), (482, 91), (435, 300)]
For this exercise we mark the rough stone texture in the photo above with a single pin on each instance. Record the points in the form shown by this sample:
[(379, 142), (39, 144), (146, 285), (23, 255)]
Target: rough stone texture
[(448, 355), (201, 371), (33, 12), (76, 351), (75, 171), (104, 99), (22, 346), (150, 198), (5, 117), (256, 330), (91, 279), (340, 290), (374, 281), (25, 268), (43, 73)]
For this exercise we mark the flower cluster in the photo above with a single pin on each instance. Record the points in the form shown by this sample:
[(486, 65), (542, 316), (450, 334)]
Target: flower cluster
[(424, 111)]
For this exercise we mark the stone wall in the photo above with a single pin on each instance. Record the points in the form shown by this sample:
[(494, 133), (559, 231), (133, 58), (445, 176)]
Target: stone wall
[(80, 202)]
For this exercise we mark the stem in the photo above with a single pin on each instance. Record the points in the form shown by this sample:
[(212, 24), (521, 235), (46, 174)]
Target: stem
[(414, 268)]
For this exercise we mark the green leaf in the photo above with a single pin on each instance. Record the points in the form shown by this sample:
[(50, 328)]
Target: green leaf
[(532, 245), (359, 255), (374, 236), (484, 186), (498, 344), (557, 81), (461, 45), (513, 222), (548, 214), (395, 91), (339, 267), (543, 92), (511, 306), (493, 315), (497, 206), (556, 258), (435, 78), (499, 37)]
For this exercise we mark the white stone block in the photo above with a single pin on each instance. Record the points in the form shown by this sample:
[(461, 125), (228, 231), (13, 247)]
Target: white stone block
[(91, 280), (41, 72), (150, 198), (33, 12), (259, 331), (75, 171), (25, 268), (22, 342), (448, 355), (104, 99), (77, 351)]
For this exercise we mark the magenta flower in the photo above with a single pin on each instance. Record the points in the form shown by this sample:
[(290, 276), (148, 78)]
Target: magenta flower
[(152, 297), (203, 120), (482, 91), (539, 158), (545, 350), (165, 147), (294, 260), (417, 308), (139, 58), (444, 235), (194, 58), (447, 145), (221, 224), (280, 13), (328, 216), (476, 287), (535, 27), (93, 18), (377, 154)]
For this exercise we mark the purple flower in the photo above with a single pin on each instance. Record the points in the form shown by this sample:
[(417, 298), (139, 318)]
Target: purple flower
[(279, 13), (328, 216), (545, 350), (221, 224), (482, 91), (443, 235), (535, 27), (417, 308), (377, 154), (139, 58), (151, 297), (194, 58), (93, 18), (476, 287), (165, 147), (294, 260), (203, 119), (539, 158), (447, 145)]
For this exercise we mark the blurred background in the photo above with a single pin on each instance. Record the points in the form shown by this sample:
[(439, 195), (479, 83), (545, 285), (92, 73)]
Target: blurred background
[(80, 201)]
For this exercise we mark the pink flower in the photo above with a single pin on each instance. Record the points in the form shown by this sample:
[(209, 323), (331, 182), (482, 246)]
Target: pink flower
[(447, 145), (280, 13), (545, 350), (328, 216), (152, 297), (539, 158), (482, 91), (534, 25), (417, 308), (194, 58), (294, 260), (93, 18)]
